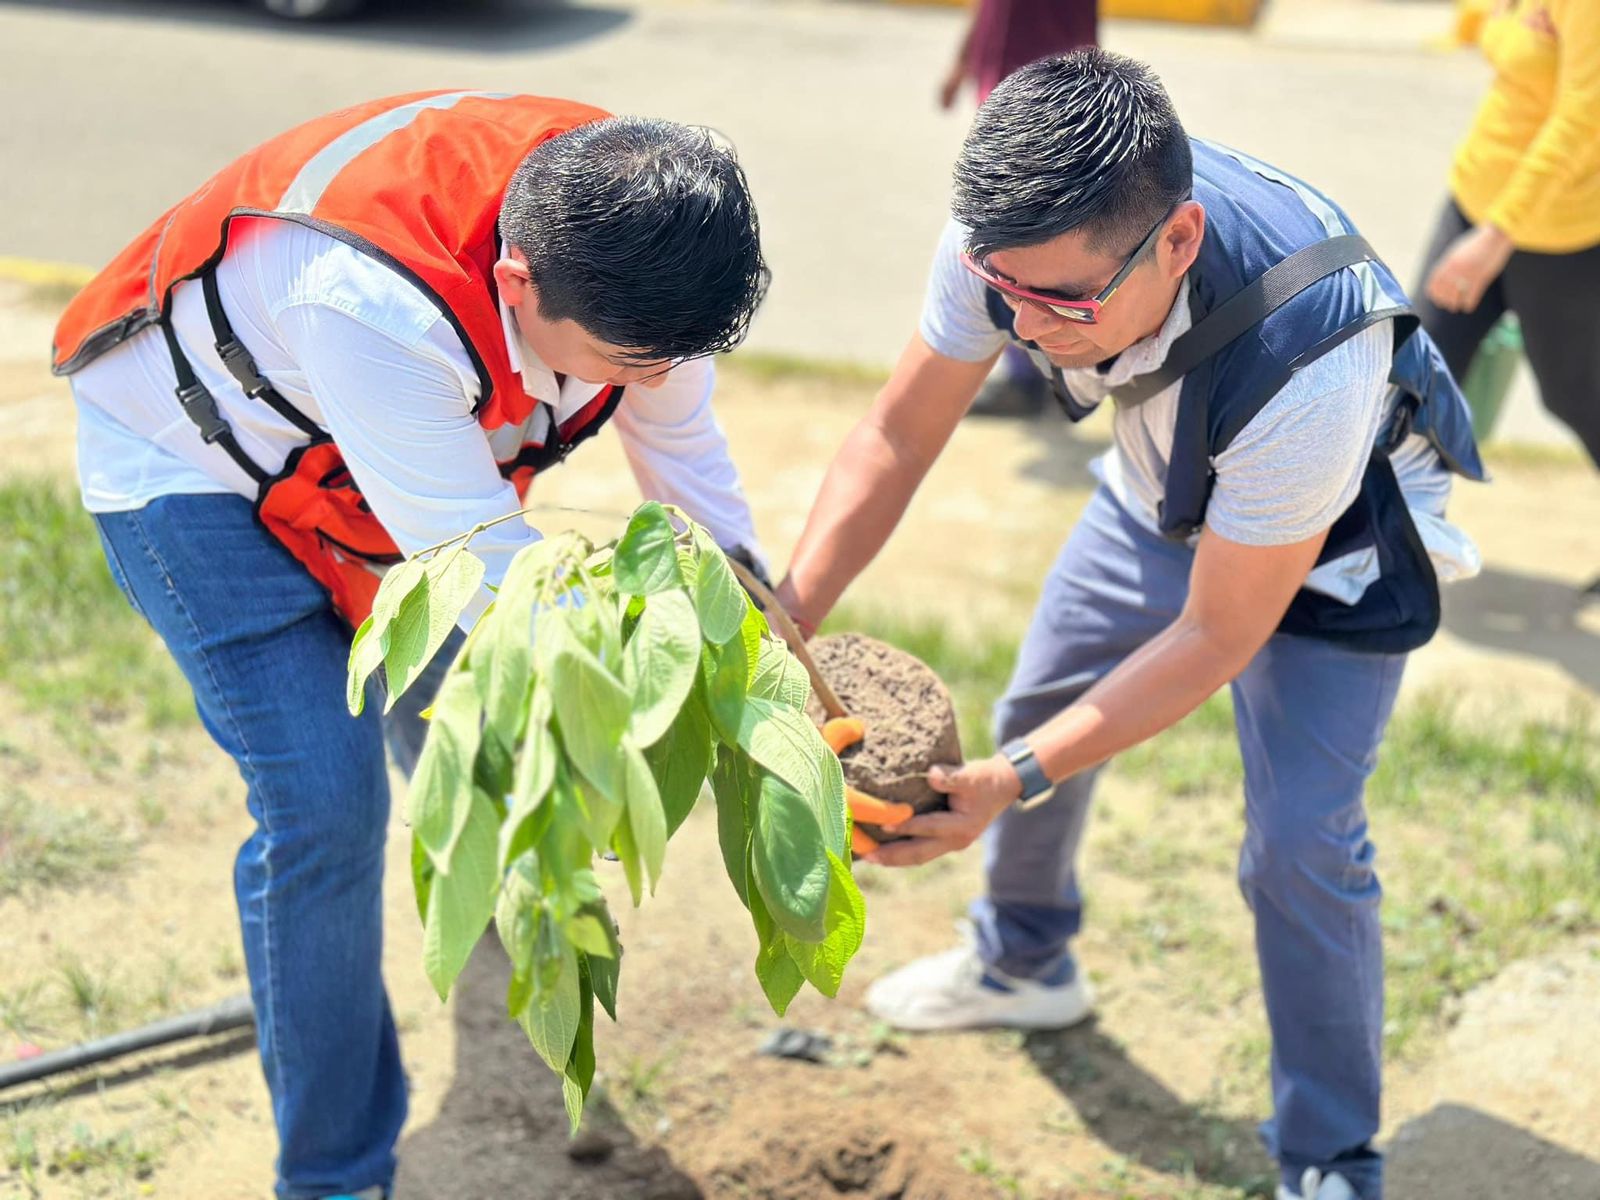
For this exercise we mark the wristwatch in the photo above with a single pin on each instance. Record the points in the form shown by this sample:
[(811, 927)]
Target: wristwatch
[(1036, 785)]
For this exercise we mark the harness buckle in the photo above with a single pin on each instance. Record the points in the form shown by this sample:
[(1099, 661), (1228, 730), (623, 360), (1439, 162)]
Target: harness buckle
[(242, 367), (200, 406), (1402, 422)]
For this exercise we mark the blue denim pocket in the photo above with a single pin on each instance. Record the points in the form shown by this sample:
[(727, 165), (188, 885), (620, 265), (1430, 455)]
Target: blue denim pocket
[(118, 575)]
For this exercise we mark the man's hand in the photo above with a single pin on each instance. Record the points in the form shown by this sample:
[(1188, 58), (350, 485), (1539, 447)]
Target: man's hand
[(978, 791)]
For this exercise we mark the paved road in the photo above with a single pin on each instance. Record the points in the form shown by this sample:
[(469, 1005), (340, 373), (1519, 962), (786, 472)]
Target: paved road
[(117, 108)]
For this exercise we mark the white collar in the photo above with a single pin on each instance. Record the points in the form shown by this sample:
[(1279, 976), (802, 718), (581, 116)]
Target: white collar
[(1150, 352)]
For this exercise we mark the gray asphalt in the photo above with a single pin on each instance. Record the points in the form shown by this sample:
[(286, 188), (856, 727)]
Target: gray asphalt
[(117, 109)]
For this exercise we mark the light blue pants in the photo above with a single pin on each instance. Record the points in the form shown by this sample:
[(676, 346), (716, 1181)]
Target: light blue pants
[(260, 645), (1310, 717)]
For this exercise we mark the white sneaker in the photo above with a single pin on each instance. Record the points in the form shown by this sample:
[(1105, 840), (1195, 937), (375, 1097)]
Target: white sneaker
[(954, 990), (1314, 1185)]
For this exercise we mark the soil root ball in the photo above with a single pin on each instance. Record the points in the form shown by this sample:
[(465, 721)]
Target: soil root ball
[(909, 717)]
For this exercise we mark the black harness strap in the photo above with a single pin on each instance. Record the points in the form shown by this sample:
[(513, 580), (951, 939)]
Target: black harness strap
[(200, 406), (1247, 308), (243, 368)]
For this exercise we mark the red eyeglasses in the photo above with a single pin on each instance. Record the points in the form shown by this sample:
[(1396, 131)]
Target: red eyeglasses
[(1082, 312)]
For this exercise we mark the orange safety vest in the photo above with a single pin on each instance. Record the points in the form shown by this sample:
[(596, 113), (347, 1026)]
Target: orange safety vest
[(416, 181)]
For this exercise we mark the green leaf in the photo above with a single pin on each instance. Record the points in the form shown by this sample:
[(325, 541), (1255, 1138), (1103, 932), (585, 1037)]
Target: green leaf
[(646, 821), (781, 979), (427, 615), (552, 1016), (752, 632), (659, 664), (372, 639), (725, 672), (366, 653), (646, 557), (718, 598), (736, 785), (823, 963), (779, 975), (421, 876), (579, 1072), (628, 855), (516, 921), (598, 815), (440, 795), (505, 662), (461, 898), (493, 767), (535, 774), (586, 933), (786, 743), (680, 762), (780, 678), (593, 707), (603, 974), (790, 861)]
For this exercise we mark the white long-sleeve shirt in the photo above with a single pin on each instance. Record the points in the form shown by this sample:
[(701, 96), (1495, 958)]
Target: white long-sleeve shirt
[(365, 354)]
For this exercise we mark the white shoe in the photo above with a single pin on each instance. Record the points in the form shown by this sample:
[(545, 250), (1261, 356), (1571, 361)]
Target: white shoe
[(1314, 1185), (954, 990)]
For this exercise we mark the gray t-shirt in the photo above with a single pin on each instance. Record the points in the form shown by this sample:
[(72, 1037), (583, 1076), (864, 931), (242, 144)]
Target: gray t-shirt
[(1287, 475)]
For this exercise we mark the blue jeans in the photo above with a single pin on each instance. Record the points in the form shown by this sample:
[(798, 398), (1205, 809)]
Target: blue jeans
[(1310, 717), (260, 645)]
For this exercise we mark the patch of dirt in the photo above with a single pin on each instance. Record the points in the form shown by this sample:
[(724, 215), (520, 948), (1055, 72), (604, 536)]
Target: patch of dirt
[(867, 1163), (909, 717), (1143, 1101)]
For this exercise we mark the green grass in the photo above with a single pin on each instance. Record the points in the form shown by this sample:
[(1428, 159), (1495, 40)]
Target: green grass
[(52, 846), (1488, 836), (43, 1154), (1534, 455), (765, 366), (70, 645)]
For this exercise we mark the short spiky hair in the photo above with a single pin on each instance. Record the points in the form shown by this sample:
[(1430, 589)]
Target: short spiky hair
[(643, 232), (1087, 140)]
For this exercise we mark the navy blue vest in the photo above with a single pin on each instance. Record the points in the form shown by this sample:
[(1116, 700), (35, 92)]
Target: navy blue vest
[(1256, 216)]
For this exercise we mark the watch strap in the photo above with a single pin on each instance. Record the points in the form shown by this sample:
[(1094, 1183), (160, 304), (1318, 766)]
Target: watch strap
[(1036, 784)]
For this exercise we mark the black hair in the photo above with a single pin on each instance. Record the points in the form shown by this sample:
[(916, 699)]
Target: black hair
[(644, 233), (1087, 140)]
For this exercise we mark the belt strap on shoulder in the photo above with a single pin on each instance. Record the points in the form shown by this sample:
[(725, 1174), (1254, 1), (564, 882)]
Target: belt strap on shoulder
[(1246, 309)]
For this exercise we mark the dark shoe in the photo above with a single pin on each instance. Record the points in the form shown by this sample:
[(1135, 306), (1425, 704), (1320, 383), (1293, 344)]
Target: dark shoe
[(1003, 397)]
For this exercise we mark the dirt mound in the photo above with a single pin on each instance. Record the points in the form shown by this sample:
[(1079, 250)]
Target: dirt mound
[(863, 1164), (910, 720)]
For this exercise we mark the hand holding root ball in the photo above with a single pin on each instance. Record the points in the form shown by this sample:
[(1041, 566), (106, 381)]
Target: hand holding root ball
[(902, 723), (976, 792)]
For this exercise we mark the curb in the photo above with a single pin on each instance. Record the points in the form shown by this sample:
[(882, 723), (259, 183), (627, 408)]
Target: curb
[(34, 272)]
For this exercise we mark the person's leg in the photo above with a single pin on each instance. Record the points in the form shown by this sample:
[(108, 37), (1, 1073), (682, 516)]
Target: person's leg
[(1310, 717), (259, 644), (1457, 335), (1557, 299), (1114, 586)]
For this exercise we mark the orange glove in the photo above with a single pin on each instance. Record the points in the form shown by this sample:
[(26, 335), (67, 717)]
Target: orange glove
[(841, 733)]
